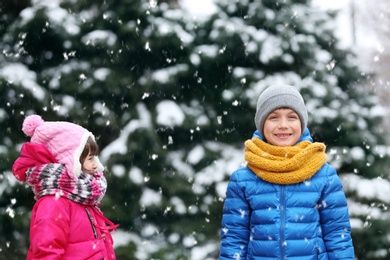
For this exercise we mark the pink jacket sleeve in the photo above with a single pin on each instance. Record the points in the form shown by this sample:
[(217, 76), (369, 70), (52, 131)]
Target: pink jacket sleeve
[(49, 228)]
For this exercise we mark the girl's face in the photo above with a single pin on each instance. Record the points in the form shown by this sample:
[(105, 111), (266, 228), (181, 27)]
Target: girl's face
[(89, 165), (282, 127)]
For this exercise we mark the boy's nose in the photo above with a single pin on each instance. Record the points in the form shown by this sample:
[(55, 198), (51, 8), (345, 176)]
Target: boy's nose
[(283, 123)]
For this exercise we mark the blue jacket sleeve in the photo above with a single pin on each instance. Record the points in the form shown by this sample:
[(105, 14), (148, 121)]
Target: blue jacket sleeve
[(335, 222), (235, 221)]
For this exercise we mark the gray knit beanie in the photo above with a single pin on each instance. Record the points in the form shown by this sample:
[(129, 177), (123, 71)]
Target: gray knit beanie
[(280, 96)]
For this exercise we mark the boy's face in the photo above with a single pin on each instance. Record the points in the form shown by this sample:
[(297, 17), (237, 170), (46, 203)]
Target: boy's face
[(282, 127), (89, 165)]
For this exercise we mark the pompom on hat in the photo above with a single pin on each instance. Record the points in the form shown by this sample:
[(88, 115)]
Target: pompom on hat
[(280, 96), (65, 140)]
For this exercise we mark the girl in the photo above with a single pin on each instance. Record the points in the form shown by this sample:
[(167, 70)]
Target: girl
[(287, 203), (60, 162)]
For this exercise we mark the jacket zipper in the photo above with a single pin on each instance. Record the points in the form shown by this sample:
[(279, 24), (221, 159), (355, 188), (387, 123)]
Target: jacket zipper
[(282, 221), (91, 220)]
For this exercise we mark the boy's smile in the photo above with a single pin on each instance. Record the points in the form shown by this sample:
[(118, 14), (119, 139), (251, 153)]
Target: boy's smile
[(282, 127)]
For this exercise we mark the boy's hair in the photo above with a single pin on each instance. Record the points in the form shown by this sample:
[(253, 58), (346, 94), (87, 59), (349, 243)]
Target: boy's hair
[(91, 147)]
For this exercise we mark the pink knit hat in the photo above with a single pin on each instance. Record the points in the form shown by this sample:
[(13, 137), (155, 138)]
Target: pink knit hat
[(66, 141)]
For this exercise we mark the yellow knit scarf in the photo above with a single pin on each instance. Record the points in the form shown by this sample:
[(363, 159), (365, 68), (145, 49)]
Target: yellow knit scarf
[(284, 165)]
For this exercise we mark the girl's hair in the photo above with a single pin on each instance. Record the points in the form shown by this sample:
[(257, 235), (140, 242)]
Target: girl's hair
[(91, 147)]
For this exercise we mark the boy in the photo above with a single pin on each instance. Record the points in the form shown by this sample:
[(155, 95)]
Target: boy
[(287, 203)]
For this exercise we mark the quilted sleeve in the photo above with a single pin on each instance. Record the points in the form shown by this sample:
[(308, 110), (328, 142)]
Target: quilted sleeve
[(335, 222), (235, 221)]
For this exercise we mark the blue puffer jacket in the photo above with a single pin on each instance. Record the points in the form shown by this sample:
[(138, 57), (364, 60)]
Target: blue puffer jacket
[(304, 221)]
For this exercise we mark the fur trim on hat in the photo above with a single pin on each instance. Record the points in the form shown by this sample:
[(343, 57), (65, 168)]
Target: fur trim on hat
[(65, 140)]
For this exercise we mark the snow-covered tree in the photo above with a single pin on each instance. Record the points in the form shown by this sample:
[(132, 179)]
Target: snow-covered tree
[(374, 22), (171, 101)]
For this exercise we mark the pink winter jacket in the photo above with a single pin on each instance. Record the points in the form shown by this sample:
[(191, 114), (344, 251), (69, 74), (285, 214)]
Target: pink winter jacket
[(66, 230)]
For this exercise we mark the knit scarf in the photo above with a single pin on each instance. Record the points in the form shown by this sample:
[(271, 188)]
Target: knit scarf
[(284, 165), (52, 179)]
